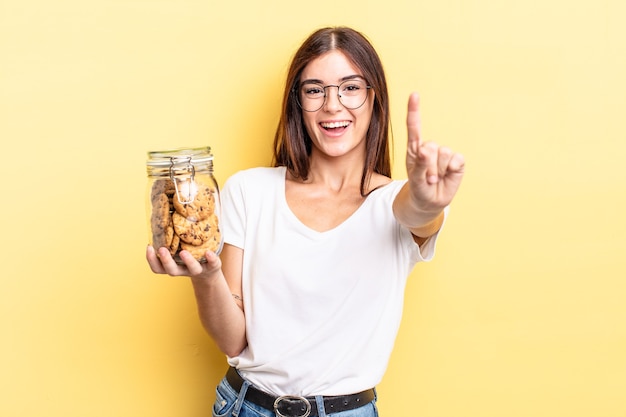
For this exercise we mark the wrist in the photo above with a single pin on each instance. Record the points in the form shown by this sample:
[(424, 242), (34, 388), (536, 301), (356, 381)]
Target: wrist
[(429, 228), (421, 221), (207, 279)]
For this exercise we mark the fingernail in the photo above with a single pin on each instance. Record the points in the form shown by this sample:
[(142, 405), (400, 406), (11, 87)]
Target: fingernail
[(433, 179)]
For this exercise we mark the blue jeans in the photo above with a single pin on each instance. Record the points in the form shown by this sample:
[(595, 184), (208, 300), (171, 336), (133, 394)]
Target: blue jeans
[(228, 402)]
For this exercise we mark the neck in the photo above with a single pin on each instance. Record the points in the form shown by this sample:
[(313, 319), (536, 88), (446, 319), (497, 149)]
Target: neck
[(336, 174)]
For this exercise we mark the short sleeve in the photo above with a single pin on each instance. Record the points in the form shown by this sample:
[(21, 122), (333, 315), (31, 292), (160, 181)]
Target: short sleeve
[(233, 215), (426, 252)]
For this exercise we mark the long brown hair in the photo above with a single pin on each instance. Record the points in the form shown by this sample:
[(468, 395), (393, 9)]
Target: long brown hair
[(292, 144)]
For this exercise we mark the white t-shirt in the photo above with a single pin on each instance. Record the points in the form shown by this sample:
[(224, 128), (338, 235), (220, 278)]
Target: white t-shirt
[(322, 309)]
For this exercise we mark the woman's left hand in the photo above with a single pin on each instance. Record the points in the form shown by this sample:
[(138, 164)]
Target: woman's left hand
[(435, 172)]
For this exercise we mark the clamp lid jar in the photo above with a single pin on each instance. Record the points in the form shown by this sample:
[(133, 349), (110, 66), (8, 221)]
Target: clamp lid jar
[(183, 202)]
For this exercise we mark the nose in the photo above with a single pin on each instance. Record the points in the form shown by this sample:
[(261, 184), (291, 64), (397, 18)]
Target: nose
[(332, 102)]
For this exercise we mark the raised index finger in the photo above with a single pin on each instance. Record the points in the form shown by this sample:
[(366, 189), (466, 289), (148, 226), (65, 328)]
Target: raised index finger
[(413, 122)]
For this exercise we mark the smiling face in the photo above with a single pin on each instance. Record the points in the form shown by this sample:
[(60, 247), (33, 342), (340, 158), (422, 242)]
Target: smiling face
[(334, 129)]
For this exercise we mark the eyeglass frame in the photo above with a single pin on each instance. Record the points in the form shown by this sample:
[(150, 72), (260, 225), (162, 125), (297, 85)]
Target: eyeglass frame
[(296, 91)]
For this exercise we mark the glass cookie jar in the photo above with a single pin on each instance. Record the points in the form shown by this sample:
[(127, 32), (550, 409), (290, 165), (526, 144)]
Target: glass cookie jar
[(183, 202)]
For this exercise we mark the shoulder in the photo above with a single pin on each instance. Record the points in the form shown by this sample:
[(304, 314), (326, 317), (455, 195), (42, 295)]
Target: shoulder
[(255, 176), (383, 185)]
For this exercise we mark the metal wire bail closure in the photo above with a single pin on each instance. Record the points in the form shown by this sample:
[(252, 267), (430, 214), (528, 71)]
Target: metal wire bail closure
[(307, 412), (191, 193)]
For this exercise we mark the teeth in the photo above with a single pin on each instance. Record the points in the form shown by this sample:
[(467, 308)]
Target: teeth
[(335, 125)]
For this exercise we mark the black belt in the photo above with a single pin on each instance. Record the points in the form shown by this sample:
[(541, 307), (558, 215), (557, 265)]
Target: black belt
[(296, 406)]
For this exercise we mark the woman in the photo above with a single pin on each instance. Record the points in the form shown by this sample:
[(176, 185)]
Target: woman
[(306, 297)]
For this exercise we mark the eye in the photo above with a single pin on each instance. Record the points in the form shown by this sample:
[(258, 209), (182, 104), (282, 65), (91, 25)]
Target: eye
[(352, 87), (313, 90)]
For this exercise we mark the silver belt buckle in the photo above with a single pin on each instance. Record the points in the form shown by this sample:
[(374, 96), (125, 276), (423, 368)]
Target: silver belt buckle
[(292, 398)]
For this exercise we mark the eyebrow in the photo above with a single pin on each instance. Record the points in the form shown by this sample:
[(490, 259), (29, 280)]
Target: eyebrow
[(346, 78)]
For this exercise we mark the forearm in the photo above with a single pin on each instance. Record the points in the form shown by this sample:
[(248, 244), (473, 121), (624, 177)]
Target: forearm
[(422, 222), (220, 314)]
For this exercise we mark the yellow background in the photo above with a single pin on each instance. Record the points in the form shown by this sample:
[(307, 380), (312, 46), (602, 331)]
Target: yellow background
[(522, 312)]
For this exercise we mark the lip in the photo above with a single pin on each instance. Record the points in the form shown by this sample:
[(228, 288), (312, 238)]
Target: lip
[(334, 127), (335, 123)]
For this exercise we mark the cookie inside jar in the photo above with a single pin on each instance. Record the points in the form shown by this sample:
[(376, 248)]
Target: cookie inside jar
[(185, 217)]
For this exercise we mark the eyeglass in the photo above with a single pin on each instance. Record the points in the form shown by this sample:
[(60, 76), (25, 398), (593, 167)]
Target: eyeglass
[(351, 93)]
